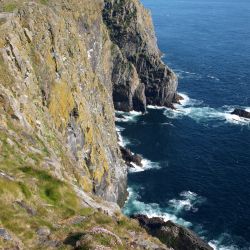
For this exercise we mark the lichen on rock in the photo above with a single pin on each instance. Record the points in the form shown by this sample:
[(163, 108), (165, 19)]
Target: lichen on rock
[(131, 29), (65, 65)]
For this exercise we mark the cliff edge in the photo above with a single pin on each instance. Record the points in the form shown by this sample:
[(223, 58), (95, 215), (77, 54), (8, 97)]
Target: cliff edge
[(139, 75), (65, 65)]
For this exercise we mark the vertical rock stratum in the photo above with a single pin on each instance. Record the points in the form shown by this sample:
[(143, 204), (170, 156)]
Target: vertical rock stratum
[(65, 65), (56, 86), (139, 76)]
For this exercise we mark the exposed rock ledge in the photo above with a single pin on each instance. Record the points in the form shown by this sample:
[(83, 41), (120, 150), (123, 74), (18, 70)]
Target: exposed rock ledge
[(241, 113), (130, 157), (171, 234)]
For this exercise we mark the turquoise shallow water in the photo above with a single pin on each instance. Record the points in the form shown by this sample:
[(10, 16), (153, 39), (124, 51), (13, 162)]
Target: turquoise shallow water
[(198, 159)]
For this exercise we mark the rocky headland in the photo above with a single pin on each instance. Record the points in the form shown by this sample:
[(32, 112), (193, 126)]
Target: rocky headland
[(65, 66)]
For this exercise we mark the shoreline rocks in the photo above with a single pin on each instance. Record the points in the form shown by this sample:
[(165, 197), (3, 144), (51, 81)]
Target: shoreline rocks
[(178, 98), (241, 113), (130, 157), (171, 234)]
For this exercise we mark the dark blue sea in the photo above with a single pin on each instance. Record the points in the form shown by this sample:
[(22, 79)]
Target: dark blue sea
[(197, 159)]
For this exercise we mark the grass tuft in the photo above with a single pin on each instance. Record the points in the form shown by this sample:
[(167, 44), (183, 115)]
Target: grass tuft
[(9, 7)]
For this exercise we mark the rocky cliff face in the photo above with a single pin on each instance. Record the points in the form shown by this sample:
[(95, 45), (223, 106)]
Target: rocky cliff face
[(174, 236), (56, 86), (136, 53), (64, 66)]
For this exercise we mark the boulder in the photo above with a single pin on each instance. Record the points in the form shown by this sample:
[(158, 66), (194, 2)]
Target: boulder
[(178, 98), (120, 116), (130, 157), (241, 113), (171, 234), (5, 234)]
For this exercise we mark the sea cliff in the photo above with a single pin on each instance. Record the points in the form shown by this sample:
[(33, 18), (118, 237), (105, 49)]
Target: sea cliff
[(65, 66)]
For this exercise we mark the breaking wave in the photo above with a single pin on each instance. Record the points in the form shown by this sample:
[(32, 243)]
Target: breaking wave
[(131, 116), (188, 201), (220, 245), (146, 165), (195, 110), (135, 206), (122, 141), (155, 107)]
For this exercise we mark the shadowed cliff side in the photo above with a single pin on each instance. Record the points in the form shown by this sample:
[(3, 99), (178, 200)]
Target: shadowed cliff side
[(61, 170), (151, 82), (55, 82)]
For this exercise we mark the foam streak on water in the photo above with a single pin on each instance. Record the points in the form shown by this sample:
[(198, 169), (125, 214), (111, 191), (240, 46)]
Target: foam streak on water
[(131, 116), (135, 206), (146, 165), (188, 202), (123, 142), (200, 113)]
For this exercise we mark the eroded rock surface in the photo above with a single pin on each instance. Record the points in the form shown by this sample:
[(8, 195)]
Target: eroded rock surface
[(171, 234), (130, 157), (241, 113), (64, 66), (151, 82)]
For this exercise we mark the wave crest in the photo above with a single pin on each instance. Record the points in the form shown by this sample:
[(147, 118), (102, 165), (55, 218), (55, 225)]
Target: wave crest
[(146, 165), (188, 201), (194, 109), (134, 206), (131, 116)]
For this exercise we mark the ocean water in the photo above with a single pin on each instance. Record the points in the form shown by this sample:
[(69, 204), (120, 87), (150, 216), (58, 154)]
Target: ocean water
[(197, 159)]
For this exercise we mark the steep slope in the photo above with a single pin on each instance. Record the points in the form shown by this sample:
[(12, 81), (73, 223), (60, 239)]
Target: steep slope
[(56, 87), (152, 82), (58, 144), (62, 71)]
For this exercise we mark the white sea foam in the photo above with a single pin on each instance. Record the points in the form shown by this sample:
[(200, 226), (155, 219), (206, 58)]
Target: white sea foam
[(134, 206), (123, 142), (131, 116), (195, 110), (187, 74), (146, 165), (187, 201), (219, 245), (155, 107)]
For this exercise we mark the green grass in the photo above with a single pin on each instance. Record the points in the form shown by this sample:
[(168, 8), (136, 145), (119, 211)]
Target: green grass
[(104, 239), (54, 192), (25, 190), (45, 2), (102, 219), (49, 186), (9, 7)]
